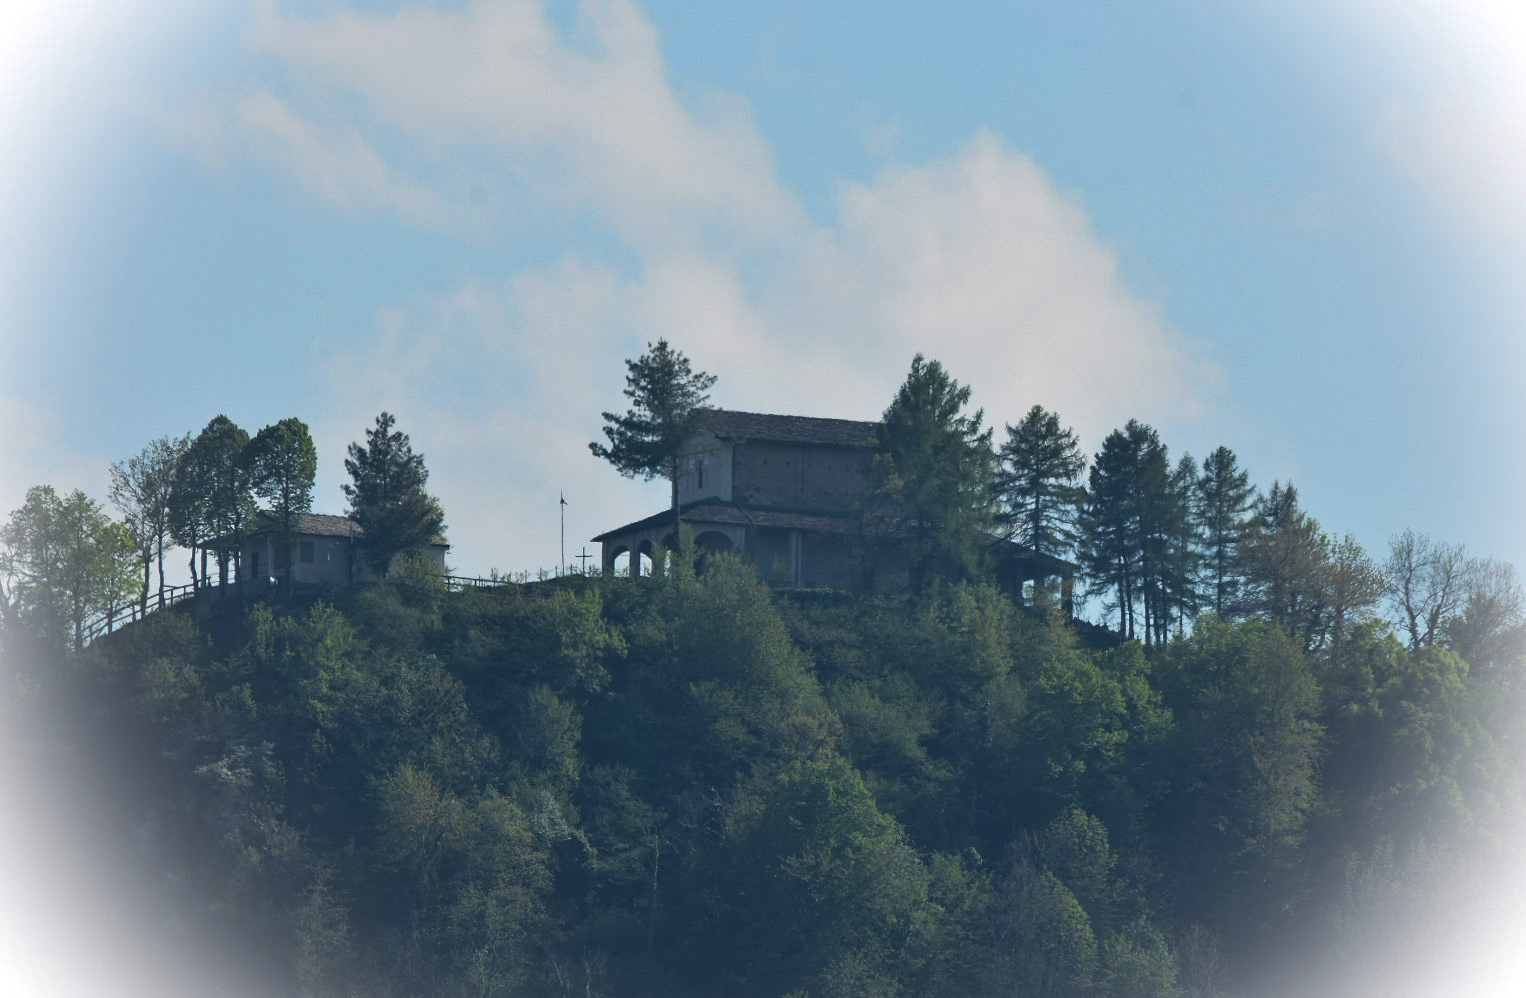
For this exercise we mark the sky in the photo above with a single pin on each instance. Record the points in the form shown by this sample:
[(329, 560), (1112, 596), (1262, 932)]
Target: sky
[(1293, 229)]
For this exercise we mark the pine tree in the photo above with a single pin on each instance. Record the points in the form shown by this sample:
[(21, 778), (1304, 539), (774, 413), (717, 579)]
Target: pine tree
[(1039, 483), (1130, 527), (387, 496), (1181, 579), (1109, 535), (1154, 525), (1224, 500), (934, 474), (667, 403)]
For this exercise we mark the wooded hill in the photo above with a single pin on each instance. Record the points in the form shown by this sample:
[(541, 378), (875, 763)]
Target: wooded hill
[(693, 785)]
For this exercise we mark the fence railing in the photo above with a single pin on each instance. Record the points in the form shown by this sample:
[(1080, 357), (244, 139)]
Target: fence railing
[(459, 582), (115, 617)]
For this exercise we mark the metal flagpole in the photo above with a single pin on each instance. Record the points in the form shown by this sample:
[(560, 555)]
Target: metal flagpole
[(562, 496)]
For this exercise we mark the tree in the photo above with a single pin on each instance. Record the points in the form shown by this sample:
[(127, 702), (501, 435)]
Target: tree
[(1428, 583), (210, 502), (1109, 551), (1224, 500), (667, 402), (142, 488), (1301, 579), (1244, 772), (1128, 526), (1039, 482), (282, 464), (66, 564), (1494, 609), (1181, 565), (934, 475), (387, 497)]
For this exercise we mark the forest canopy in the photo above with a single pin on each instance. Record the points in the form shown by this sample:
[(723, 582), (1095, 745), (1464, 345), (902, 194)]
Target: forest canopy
[(1264, 769)]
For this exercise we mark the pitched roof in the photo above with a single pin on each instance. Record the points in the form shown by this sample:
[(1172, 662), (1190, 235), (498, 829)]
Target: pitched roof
[(719, 511), (728, 424), (316, 525)]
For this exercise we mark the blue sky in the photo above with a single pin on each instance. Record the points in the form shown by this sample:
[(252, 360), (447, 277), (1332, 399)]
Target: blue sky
[(1292, 229)]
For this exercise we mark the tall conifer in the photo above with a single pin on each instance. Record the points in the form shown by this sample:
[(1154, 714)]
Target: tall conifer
[(1039, 483)]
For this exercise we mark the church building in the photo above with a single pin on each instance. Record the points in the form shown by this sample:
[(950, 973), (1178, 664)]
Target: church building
[(785, 492)]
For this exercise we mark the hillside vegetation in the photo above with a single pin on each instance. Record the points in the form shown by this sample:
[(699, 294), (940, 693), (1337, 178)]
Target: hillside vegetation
[(693, 785)]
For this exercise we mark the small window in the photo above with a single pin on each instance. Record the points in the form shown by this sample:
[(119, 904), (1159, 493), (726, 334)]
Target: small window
[(700, 471), (306, 552)]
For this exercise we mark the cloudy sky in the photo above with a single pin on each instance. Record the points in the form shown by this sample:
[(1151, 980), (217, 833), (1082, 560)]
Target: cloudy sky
[(1295, 229)]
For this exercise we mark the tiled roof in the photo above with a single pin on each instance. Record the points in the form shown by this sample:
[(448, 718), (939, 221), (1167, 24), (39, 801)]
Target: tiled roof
[(315, 524), (719, 511), (729, 424), (322, 525)]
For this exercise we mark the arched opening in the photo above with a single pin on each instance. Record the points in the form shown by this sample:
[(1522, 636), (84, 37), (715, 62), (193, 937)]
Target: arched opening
[(711, 542), (619, 561), (644, 565)]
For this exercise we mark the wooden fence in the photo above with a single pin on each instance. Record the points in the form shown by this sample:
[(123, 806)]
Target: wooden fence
[(115, 617)]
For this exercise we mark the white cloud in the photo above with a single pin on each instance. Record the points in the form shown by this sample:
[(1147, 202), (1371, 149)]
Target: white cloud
[(974, 259), (594, 124), (335, 162), (977, 260)]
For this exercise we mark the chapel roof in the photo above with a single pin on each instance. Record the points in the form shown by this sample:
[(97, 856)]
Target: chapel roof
[(729, 424)]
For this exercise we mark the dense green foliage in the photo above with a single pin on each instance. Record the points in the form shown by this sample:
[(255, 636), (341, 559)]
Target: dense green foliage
[(698, 786), (695, 785), (1038, 484), (63, 562), (387, 494), (932, 485), (667, 399), (282, 466)]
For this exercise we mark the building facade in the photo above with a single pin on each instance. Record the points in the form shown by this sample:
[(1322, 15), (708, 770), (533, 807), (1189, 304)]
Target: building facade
[(787, 493), (327, 549)]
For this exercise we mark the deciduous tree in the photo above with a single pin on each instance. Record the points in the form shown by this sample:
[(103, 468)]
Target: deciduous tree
[(210, 502), (142, 488), (1428, 583), (66, 564), (283, 464), (1300, 578)]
